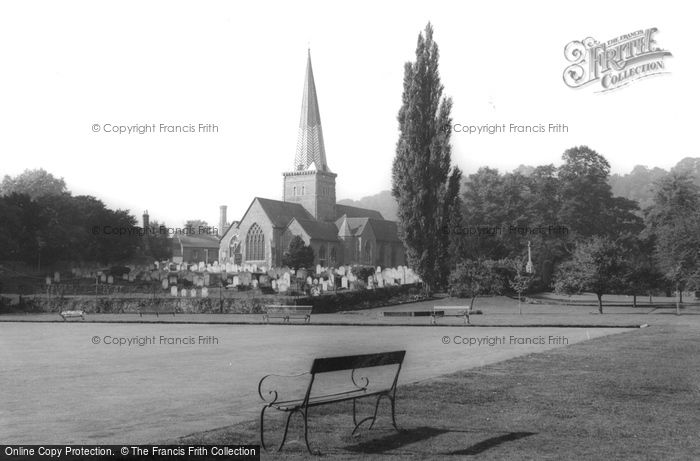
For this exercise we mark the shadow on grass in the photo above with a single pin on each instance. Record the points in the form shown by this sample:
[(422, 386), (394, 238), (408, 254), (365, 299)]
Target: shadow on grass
[(490, 443), (419, 434)]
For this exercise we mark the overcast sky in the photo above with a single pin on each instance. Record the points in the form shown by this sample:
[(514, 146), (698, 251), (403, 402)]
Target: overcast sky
[(240, 65)]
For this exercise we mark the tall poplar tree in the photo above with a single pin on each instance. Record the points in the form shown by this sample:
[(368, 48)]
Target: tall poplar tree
[(421, 168)]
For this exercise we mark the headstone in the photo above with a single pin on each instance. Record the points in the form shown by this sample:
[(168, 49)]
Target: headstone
[(173, 291), (48, 280), (201, 266), (205, 292), (132, 277), (183, 293), (287, 278), (255, 283), (207, 279), (103, 278), (341, 270), (56, 277), (309, 280), (378, 270), (164, 284), (282, 286), (301, 273), (125, 276), (315, 281), (274, 284), (236, 281), (110, 279), (344, 282), (380, 281), (324, 285), (318, 269), (172, 279), (193, 293)]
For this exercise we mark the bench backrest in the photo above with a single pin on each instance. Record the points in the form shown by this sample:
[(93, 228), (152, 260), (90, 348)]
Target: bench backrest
[(352, 362)]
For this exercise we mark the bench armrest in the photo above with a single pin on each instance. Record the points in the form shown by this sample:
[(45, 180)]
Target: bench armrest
[(270, 394)]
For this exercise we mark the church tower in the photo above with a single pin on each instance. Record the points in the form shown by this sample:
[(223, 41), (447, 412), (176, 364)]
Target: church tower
[(311, 183)]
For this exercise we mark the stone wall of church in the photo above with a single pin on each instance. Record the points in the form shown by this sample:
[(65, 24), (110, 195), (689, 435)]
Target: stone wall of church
[(313, 190)]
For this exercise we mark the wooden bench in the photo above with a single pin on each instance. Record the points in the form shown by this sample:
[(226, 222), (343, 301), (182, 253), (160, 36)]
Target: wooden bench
[(356, 387), (156, 313), (69, 314), (457, 311), (287, 312)]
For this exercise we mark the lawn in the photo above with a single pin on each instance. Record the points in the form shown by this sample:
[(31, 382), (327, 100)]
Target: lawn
[(633, 395)]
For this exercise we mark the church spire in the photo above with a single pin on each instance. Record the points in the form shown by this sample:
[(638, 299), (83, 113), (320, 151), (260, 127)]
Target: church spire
[(310, 148)]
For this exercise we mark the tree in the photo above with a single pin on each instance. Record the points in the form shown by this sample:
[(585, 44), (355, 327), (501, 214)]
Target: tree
[(421, 167), (587, 204), (474, 278), (298, 255), (674, 220), (520, 282), (34, 183), (597, 266)]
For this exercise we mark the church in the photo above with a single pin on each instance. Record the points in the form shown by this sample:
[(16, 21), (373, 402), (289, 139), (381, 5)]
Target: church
[(338, 234)]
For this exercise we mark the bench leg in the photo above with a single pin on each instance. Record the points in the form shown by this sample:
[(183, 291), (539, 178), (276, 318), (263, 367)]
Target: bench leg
[(304, 414), (433, 320)]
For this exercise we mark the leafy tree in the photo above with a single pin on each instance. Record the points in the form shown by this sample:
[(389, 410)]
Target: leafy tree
[(474, 278), (597, 266), (195, 224), (34, 183), (298, 255), (587, 204), (521, 281), (674, 220), (421, 168)]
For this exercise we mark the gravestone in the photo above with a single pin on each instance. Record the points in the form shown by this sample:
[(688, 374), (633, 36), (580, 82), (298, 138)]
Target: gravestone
[(164, 284), (103, 278), (287, 278), (274, 284), (193, 293), (324, 285), (173, 291), (309, 280), (236, 281), (205, 292), (282, 286), (207, 279), (183, 293), (255, 283), (318, 269), (48, 280), (125, 276), (201, 266), (341, 270), (110, 279), (344, 282)]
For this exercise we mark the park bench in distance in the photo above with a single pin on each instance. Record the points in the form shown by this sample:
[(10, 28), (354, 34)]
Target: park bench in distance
[(457, 311), (287, 312), (156, 313), (355, 388), (69, 314)]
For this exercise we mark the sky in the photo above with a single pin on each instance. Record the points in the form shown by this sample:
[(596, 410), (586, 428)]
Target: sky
[(68, 66)]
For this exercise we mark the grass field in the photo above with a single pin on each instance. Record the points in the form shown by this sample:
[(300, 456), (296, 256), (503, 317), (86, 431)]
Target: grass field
[(59, 387), (629, 395)]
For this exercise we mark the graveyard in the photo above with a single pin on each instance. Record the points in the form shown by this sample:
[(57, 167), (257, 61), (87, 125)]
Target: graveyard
[(204, 288)]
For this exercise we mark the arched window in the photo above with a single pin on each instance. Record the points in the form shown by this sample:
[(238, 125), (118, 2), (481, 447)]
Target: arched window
[(322, 255), (367, 254), (334, 257), (295, 190), (255, 244), (303, 190)]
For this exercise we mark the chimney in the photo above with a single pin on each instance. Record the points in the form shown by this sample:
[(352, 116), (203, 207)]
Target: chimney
[(222, 220), (145, 219)]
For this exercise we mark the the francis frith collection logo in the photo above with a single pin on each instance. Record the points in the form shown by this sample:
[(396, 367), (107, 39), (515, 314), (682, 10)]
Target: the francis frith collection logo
[(616, 62)]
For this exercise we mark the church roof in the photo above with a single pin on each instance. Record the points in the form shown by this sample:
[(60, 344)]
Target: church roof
[(310, 147), (281, 213), (384, 230), (319, 230), (197, 241), (356, 212)]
